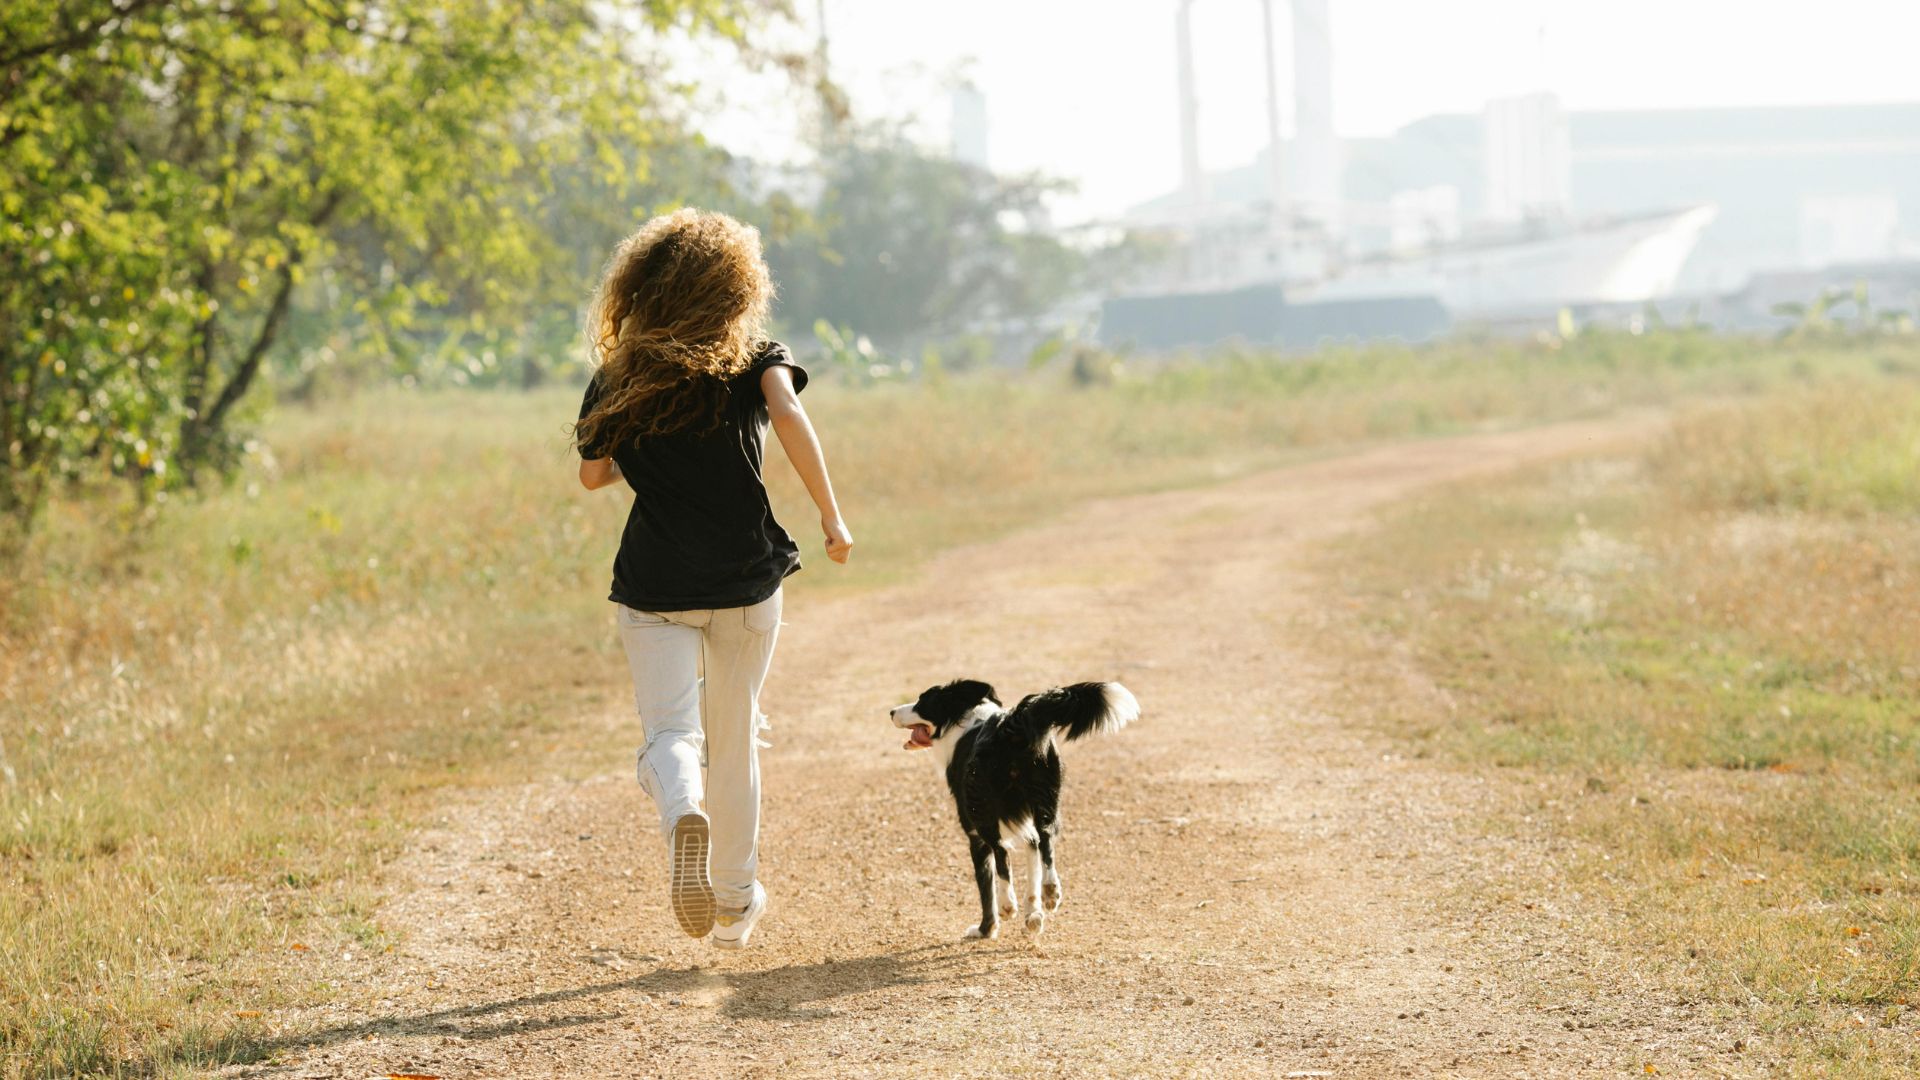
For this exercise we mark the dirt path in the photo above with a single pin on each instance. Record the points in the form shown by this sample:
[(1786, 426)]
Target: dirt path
[(1252, 886)]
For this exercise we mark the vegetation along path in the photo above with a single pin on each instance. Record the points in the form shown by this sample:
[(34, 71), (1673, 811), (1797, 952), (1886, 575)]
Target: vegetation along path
[(1253, 885)]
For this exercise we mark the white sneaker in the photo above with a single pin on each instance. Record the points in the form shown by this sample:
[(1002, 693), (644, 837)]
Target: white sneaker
[(690, 893), (731, 930)]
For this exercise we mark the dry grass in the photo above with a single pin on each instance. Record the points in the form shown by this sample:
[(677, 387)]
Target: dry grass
[(1709, 657), (215, 724)]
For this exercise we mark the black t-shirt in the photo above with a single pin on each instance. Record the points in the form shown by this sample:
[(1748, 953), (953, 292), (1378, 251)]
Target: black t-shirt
[(701, 533)]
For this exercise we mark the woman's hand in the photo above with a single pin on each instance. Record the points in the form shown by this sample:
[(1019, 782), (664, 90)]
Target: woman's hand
[(796, 434), (839, 538)]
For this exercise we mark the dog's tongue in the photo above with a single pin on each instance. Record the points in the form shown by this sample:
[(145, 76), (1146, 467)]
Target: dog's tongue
[(919, 737)]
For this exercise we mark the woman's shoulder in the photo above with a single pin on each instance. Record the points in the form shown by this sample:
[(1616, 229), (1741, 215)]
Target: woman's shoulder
[(772, 354)]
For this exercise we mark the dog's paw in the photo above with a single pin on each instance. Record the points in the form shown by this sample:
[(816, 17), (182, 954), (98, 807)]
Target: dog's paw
[(975, 933), (1036, 921), (1050, 895)]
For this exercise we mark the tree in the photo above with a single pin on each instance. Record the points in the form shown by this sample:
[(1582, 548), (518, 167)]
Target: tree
[(173, 173), (909, 244)]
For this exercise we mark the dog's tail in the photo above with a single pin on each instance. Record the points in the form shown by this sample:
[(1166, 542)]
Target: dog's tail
[(1077, 710)]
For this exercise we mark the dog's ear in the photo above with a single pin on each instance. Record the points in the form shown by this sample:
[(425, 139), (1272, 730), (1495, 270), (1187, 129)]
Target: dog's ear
[(963, 694), (984, 689)]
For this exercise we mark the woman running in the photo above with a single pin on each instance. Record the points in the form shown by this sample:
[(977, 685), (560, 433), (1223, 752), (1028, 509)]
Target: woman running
[(685, 385)]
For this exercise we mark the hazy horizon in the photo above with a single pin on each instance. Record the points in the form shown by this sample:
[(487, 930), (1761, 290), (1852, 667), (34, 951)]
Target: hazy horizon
[(1083, 91)]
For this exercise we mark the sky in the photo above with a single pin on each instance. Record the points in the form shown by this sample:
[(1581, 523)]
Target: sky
[(1085, 89)]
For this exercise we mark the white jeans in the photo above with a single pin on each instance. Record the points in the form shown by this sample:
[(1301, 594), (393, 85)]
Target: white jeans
[(688, 724)]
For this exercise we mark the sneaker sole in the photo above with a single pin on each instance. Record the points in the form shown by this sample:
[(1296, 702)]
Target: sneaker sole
[(691, 891)]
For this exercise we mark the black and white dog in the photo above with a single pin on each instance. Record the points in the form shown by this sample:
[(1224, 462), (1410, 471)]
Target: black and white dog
[(1005, 776)]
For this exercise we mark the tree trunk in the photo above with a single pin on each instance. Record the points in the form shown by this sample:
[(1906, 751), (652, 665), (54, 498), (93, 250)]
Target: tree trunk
[(23, 482), (200, 431)]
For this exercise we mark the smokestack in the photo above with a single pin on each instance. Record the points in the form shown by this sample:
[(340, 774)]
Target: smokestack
[(823, 97), (967, 134), (1316, 151), (1276, 163), (1193, 182)]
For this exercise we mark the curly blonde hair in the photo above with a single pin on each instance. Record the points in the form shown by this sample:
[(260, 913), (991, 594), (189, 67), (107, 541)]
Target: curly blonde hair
[(681, 308)]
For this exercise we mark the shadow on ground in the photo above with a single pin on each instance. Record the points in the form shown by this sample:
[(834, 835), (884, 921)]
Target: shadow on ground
[(796, 992)]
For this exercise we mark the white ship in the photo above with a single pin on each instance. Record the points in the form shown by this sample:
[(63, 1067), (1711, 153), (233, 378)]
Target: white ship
[(1539, 267), (1291, 268)]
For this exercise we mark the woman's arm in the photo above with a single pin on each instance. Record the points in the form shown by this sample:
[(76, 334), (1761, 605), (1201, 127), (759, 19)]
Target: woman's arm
[(796, 434), (596, 473)]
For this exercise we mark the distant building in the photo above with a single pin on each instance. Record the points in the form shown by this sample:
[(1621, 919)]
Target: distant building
[(1773, 172), (1315, 166), (968, 131), (1527, 158), (1798, 187), (1836, 229), (1423, 217)]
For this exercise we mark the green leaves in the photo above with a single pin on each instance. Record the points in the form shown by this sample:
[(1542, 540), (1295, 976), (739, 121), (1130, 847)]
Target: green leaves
[(185, 184), (904, 243)]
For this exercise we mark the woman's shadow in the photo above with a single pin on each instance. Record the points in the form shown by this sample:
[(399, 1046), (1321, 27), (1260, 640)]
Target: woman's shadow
[(798, 992)]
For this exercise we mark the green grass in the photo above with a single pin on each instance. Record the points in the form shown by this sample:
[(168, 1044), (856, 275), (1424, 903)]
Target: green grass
[(1838, 452), (1708, 655), (216, 721)]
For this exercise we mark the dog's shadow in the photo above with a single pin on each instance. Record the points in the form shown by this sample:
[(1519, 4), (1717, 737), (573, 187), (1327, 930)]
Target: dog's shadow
[(797, 992), (803, 991)]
